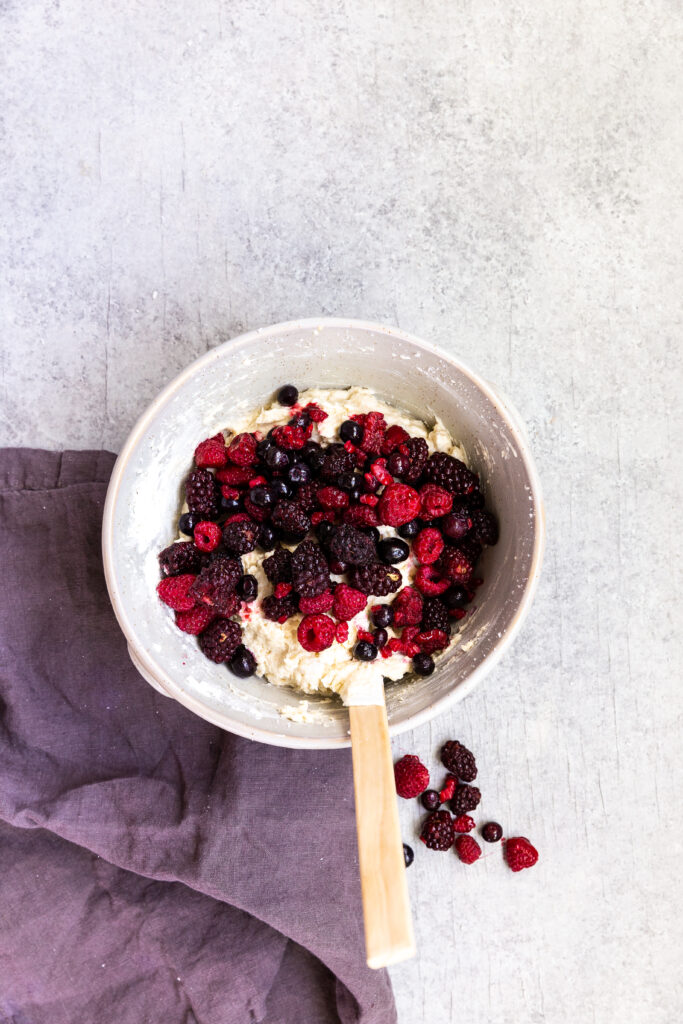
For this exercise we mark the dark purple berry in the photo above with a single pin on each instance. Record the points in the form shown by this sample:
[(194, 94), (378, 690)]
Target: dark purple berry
[(301, 420), (455, 525), (365, 651), (459, 761), (241, 537), (247, 588), (277, 460), (187, 523), (220, 640), (291, 519), (287, 395), (314, 456), (299, 473), (348, 481), (228, 506), (408, 855), (266, 538), (475, 500), (398, 464), (382, 615), (337, 567), (375, 578), (261, 496), (279, 488), (381, 638), (430, 799), (243, 662), (351, 431), (392, 550), (373, 533), (456, 597), (371, 485), (263, 447), (423, 664), (351, 545), (180, 558), (409, 530), (310, 571), (492, 832), (354, 495), (323, 531)]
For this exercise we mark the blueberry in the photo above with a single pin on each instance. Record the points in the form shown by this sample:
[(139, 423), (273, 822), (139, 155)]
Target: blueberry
[(247, 588), (409, 530), (382, 615), (280, 489), (324, 531), (266, 539), (229, 505), (381, 638), (302, 420), (455, 525), (398, 464), (373, 532), (287, 395), (277, 460), (365, 651), (314, 456), (299, 473), (492, 832), (423, 664), (348, 481), (261, 496), (392, 551), (351, 431), (408, 855), (354, 496), (264, 446), (456, 597), (430, 799), (243, 662), (187, 522)]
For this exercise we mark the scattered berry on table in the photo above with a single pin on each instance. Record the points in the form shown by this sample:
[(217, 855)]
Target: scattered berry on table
[(459, 761), (220, 640), (412, 778), (242, 663), (423, 664), (463, 823), (316, 632), (519, 853), (175, 591), (448, 789), (467, 849), (207, 535), (492, 832), (430, 799), (365, 651), (288, 395), (408, 855), (466, 798), (437, 831)]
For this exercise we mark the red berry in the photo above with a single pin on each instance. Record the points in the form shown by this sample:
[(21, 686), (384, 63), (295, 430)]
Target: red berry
[(196, 619), (412, 778), (428, 546), (174, 591), (211, 452), (456, 567), (229, 493), (257, 481), (407, 607), (348, 602), (467, 849), (207, 536), (428, 581), (369, 499), (236, 476), (464, 824), (435, 501), (363, 634), (282, 589), (316, 414), (449, 788), (312, 605), (341, 633), (380, 472), (332, 498), (242, 450), (519, 853), (319, 517), (432, 640), (394, 436), (398, 505), (373, 433), (289, 437), (316, 632), (360, 515)]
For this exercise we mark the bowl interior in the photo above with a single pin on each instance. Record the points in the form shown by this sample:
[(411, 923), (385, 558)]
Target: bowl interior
[(146, 493)]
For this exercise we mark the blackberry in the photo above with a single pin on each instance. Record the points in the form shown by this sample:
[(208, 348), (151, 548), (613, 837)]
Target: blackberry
[(291, 519), (471, 548), (310, 572), (306, 496), (458, 760), (449, 473), (220, 640), (435, 615), (323, 532), (241, 537), (201, 493), (375, 579), (437, 831), (350, 545), (475, 500), (216, 585), (336, 461), (417, 453), (466, 799), (278, 566), (279, 609), (484, 527), (180, 558)]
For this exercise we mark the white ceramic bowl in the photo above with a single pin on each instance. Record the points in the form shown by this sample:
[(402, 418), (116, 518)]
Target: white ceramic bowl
[(145, 495)]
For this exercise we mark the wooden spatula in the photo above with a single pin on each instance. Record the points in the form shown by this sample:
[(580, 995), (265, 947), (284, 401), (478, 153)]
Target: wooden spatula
[(386, 908)]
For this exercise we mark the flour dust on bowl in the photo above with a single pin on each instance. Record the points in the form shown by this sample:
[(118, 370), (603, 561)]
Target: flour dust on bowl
[(145, 497)]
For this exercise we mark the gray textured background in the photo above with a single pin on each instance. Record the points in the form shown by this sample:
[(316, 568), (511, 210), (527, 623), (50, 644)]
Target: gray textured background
[(504, 180)]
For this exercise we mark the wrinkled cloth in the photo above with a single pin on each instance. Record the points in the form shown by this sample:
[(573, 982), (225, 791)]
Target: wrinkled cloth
[(152, 867)]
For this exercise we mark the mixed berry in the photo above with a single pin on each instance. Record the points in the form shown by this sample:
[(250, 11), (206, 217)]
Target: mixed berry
[(443, 829), (334, 520)]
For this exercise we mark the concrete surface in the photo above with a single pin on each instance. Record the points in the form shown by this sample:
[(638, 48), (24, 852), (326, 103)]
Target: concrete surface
[(502, 179)]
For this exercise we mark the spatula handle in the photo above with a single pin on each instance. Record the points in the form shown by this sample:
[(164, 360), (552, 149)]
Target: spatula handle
[(386, 908)]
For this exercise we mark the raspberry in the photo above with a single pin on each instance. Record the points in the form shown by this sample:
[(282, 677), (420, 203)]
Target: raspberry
[(428, 546), (347, 544), (373, 433), (369, 499), (216, 584), (437, 831), (394, 436), (282, 589), (428, 581), (434, 501), (435, 615), (398, 505), (255, 512), (291, 519), (341, 632), (207, 536), (335, 462), (375, 578), (455, 566), (234, 476), (348, 602), (467, 849), (316, 414), (279, 609), (463, 824), (379, 471), (466, 798), (322, 517), (448, 790), (333, 498), (180, 558), (484, 527), (360, 515), (230, 493), (459, 761), (432, 640), (310, 571), (449, 473), (289, 437), (416, 452), (316, 632), (240, 536), (175, 592), (211, 452), (201, 493), (220, 640), (242, 450), (492, 832), (412, 778), (196, 620), (278, 566), (321, 603), (307, 495), (519, 853), (407, 607)]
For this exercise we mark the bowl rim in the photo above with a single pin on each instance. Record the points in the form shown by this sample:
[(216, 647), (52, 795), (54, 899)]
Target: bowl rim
[(155, 675)]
